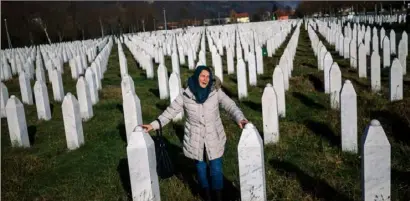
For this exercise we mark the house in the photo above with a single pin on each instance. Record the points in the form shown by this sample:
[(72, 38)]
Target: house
[(283, 15), (242, 17)]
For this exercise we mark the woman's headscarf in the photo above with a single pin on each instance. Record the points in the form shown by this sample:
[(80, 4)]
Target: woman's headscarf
[(201, 94)]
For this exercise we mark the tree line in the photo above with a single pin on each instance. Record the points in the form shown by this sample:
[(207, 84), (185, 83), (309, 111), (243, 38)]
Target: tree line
[(33, 23)]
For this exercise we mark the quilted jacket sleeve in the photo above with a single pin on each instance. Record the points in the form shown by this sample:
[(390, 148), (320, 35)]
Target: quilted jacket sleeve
[(172, 110), (229, 105)]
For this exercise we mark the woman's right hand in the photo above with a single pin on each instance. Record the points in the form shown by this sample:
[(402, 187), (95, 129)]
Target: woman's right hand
[(147, 127)]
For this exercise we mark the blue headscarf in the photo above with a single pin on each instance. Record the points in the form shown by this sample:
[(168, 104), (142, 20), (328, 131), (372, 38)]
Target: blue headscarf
[(201, 94)]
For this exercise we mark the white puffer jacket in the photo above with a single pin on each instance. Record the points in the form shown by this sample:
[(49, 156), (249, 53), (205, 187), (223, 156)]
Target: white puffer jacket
[(203, 125)]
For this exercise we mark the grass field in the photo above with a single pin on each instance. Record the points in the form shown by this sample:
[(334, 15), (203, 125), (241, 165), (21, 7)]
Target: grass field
[(307, 163)]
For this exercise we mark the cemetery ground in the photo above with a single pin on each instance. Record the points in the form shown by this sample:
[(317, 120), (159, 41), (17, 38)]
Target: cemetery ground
[(306, 164)]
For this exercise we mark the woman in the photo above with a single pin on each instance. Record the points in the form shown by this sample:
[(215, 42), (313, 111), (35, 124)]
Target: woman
[(204, 133)]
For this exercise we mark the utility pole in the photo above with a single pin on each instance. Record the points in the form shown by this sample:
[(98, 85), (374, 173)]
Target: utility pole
[(8, 36), (102, 29), (143, 25), (165, 20)]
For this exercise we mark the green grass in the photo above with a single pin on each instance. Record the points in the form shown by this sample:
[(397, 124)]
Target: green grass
[(307, 163)]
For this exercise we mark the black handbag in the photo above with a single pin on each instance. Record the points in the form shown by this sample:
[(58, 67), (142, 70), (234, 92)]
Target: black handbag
[(165, 167)]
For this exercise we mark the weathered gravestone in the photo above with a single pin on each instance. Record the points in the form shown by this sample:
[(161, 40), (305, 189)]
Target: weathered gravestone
[(335, 85), (252, 69), (163, 87), (25, 89), (95, 70), (405, 40), (142, 166), (4, 96), (191, 61), (375, 72), (346, 48), (327, 61), (181, 55), (132, 112), (270, 115), (16, 120), (386, 52), (375, 43), (218, 67), (396, 81), (175, 63), (393, 42), (251, 165), (341, 45), (382, 35), (403, 56), (353, 54), (229, 61), (127, 84), (57, 85), (150, 67), (376, 164), (40, 74), (90, 78), (72, 122), (362, 61), (241, 79), (348, 117), (84, 99), (367, 39), (42, 100), (174, 91), (259, 60), (279, 87)]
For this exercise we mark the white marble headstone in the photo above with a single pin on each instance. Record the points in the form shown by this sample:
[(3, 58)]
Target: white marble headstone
[(252, 69), (376, 164), (251, 165), (375, 43), (142, 166), (57, 85), (218, 67), (163, 82), (375, 72), (132, 112), (25, 89), (16, 120), (259, 60), (386, 52), (396, 81), (328, 62), (229, 61), (42, 100), (241, 80), (403, 56), (90, 78), (362, 61), (4, 96), (175, 63), (348, 117), (174, 91), (84, 99), (72, 122), (393, 42), (279, 87), (270, 115), (335, 85)]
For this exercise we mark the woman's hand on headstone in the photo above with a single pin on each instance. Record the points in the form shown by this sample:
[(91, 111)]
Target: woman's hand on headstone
[(147, 127), (242, 123)]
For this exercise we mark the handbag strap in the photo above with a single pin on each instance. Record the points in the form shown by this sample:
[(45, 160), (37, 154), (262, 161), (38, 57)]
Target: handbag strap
[(159, 132)]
